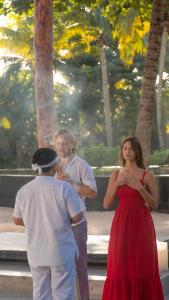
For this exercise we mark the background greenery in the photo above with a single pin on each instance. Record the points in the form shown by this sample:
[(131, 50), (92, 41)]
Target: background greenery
[(78, 98)]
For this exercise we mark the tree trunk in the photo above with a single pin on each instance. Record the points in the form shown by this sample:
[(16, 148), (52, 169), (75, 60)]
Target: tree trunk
[(159, 87), (147, 99), (106, 95), (43, 46)]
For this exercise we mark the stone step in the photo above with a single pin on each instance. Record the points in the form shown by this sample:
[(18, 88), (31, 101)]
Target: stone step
[(16, 296), (29, 297), (17, 274), (13, 246), (14, 267), (15, 278), (165, 282)]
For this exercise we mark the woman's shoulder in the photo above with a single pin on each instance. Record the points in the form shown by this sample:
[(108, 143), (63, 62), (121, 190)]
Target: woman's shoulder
[(114, 174), (148, 175)]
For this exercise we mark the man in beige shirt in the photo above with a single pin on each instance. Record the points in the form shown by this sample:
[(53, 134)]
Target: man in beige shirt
[(80, 175)]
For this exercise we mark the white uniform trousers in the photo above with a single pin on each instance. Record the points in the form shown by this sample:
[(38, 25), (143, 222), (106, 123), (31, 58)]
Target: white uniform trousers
[(53, 283)]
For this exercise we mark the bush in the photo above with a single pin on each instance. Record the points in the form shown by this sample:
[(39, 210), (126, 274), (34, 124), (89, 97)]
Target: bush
[(159, 157), (100, 155)]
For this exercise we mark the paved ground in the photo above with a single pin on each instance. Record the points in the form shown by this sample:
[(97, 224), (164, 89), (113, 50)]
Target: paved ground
[(99, 223)]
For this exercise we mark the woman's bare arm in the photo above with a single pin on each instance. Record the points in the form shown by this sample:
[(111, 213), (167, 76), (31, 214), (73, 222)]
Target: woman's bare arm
[(149, 192), (111, 191)]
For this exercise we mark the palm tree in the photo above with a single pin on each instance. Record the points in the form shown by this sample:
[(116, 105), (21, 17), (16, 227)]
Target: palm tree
[(106, 94), (147, 99), (159, 87), (93, 31), (43, 46)]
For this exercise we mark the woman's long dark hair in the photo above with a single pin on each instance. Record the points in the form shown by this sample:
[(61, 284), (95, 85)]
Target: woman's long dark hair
[(136, 146)]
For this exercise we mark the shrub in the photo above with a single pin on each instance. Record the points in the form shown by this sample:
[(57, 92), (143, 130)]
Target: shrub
[(159, 157), (100, 155)]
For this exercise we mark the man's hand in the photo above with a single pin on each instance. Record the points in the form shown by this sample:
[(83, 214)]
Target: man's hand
[(18, 221), (77, 218), (85, 191), (63, 176)]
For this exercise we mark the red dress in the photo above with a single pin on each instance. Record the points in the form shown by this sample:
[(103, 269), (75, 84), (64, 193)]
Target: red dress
[(132, 262)]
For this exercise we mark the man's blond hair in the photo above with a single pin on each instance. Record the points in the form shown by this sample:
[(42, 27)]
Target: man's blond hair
[(67, 135)]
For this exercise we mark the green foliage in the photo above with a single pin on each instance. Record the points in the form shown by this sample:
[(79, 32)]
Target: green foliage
[(105, 160), (16, 6), (159, 157), (81, 109), (100, 155), (17, 116), (129, 20), (78, 25), (104, 171), (17, 36)]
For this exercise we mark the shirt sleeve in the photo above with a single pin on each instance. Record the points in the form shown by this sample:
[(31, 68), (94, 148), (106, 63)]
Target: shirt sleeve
[(17, 208), (87, 176), (74, 204)]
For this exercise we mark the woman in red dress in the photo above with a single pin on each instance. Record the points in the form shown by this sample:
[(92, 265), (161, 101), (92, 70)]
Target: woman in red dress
[(132, 263)]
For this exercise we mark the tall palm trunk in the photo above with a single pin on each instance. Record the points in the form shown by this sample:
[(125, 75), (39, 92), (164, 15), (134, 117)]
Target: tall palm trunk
[(43, 46), (106, 95), (147, 99), (159, 87)]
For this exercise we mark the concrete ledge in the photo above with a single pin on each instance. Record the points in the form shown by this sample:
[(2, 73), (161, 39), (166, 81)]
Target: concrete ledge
[(16, 278), (15, 296), (165, 282), (13, 247)]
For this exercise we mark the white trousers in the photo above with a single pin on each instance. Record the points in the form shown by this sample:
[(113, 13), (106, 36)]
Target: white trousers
[(53, 283)]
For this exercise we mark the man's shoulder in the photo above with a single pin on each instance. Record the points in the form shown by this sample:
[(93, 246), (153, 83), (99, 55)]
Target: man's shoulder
[(44, 183), (62, 184), (27, 185), (80, 160)]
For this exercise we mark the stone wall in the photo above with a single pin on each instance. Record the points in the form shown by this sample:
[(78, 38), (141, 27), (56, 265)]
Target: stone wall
[(9, 185), (163, 186)]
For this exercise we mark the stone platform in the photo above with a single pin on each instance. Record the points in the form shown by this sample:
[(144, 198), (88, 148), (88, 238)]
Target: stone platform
[(13, 247), (14, 268)]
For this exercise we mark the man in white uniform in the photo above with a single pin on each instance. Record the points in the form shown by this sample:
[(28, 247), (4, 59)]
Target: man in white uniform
[(47, 207), (79, 174)]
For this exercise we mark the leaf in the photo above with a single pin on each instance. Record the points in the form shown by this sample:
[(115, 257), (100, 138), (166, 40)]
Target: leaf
[(122, 85), (5, 123), (167, 128)]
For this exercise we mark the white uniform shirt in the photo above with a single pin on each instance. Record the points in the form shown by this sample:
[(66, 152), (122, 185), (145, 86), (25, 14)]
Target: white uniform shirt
[(80, 173), (46, 205)]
